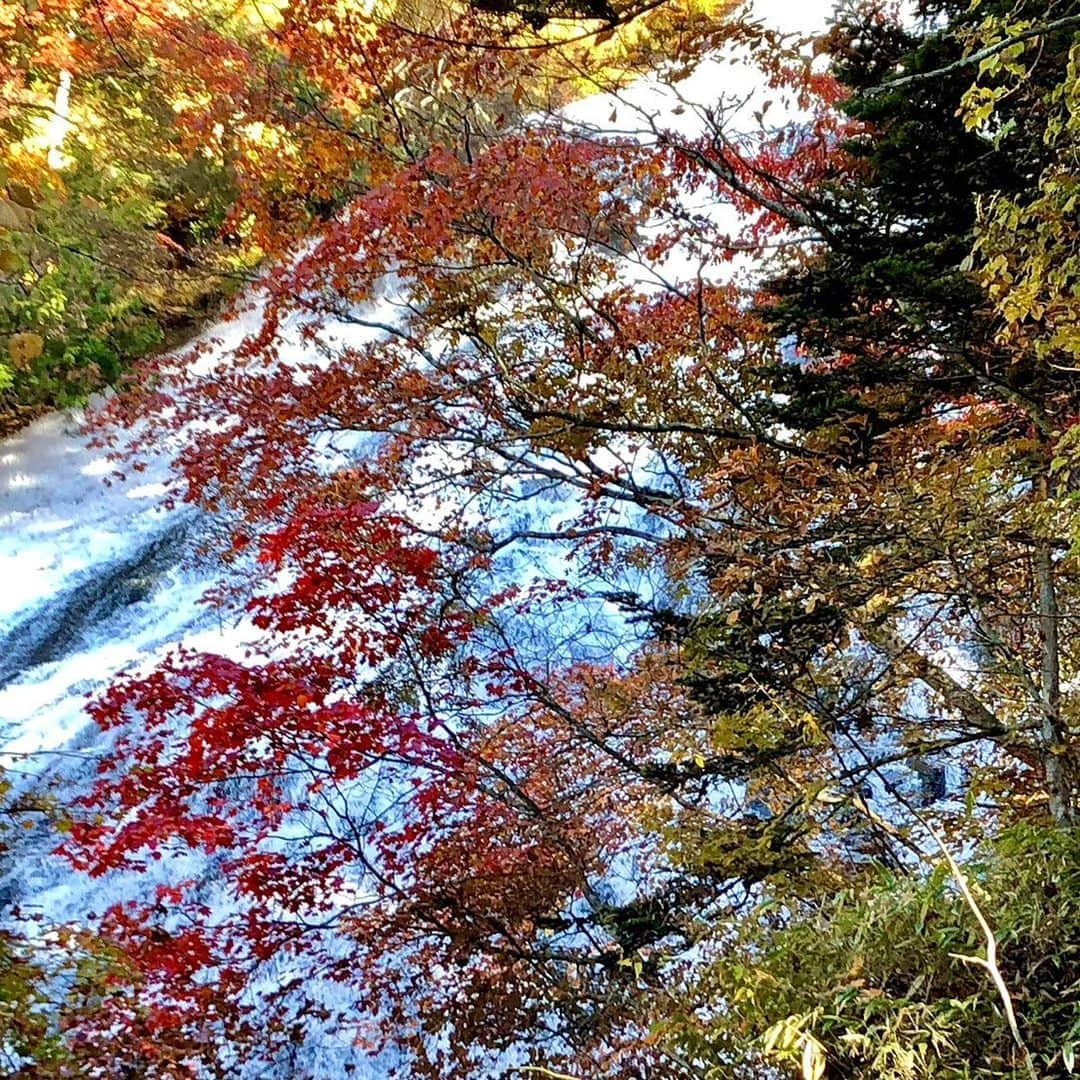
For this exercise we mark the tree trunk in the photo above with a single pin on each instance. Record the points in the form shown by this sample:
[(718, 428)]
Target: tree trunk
[(1050, 727)]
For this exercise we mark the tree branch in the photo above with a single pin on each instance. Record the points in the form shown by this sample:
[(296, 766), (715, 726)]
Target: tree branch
[(954, 693), (1063, 23)]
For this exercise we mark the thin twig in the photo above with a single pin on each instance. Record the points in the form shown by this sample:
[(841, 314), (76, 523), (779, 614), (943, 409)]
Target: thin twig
[(989, 963), (546, 1072)]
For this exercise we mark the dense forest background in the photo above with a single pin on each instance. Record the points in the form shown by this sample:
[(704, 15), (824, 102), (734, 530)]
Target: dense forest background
[(656, 529)]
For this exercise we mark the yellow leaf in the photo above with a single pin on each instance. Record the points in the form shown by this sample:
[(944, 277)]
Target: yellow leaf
[(877, 603), (22, 348), (871, 560), (813, 1059)]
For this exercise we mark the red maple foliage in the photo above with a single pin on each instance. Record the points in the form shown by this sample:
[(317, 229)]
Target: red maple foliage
[(440, 773)]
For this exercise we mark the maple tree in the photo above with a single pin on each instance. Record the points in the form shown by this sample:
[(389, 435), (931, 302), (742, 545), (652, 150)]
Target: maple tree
[(154, 153), (604, 583)]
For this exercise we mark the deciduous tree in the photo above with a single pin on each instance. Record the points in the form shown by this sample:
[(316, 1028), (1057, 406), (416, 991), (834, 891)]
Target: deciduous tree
[(811, 522)]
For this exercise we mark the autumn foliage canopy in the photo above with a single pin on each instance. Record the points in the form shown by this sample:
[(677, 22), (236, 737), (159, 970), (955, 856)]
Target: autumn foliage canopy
[(653, 526)]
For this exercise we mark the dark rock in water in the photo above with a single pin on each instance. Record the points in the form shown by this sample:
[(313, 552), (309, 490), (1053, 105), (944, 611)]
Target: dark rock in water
[(68, 620), (932, 780)]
